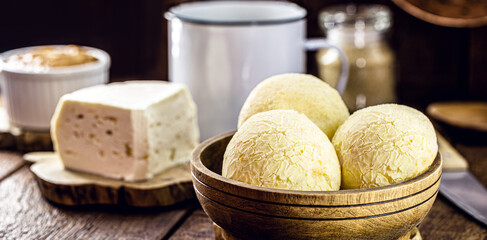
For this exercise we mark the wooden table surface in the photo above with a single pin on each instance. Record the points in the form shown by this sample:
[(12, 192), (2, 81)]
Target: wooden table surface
[(25, 214)]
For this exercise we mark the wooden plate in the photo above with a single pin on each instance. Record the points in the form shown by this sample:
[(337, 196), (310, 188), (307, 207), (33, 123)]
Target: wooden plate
[(71, 188), (449, 13), (471, 115)]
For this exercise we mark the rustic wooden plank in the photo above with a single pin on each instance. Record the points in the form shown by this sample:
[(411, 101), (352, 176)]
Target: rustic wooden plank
[(26, 215), (9, 162), (197, 226)]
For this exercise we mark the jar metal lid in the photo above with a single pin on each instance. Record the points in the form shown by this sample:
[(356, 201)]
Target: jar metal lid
[(352, 17)]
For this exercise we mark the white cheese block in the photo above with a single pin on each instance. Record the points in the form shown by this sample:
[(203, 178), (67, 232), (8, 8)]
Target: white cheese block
[(131, 130)]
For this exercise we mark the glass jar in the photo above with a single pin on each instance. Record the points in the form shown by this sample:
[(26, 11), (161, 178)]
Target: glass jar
[(360, 31)]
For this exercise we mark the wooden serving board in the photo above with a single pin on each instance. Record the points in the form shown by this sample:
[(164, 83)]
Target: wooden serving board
[(72, 188)]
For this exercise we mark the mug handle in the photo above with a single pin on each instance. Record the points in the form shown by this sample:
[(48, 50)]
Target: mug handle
[(313, 44)]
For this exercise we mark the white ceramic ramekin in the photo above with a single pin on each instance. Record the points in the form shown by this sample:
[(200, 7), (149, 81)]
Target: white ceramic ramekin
[(30, 97)]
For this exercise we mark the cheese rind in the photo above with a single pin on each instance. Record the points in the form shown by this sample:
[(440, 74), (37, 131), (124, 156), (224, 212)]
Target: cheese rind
[(131, 131)]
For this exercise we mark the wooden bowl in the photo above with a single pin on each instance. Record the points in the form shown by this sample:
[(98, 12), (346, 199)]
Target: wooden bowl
[(251, 212), (458, 13)]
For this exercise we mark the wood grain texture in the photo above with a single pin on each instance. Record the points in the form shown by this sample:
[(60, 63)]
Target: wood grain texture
[(26, 215), (197, 226), (471, 115), (9, 162), (72, 188), (221, 234), (251, 212)]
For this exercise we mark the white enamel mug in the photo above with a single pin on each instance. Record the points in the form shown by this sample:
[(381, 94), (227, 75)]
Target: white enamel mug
[(222, 49)]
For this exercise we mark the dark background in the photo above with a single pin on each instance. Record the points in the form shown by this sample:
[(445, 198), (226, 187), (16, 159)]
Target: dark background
[(434, 63)]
